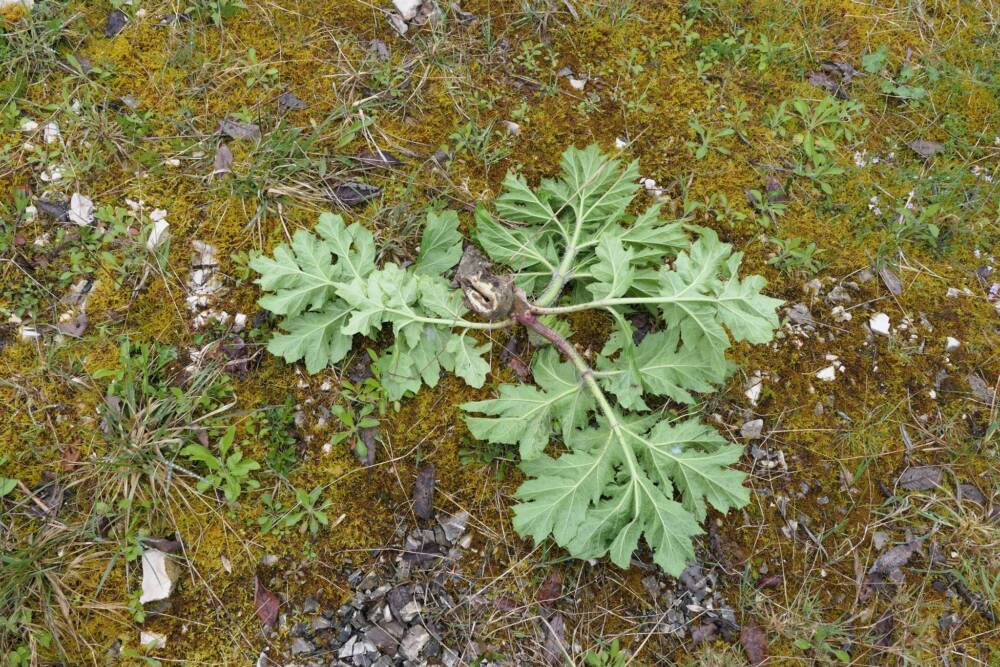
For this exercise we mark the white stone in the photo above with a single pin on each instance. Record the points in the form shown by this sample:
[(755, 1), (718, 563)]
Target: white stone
[(813, 287), (512, 127), (50, 132), (753, 429), (159, 576), (577, 84), (152, 640), (347, 650), (52, 174), (879, 323), (951, 344), (81, 210), (414, 641), (841, 314), (408, 8), (828, 374), (410, 611), (620, 143), (28, 125), (157, 235), (754, 387), (239, 322)]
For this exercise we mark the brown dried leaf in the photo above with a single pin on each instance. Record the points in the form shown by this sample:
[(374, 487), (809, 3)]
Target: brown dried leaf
[(423, 492), (364, 446), (754, 643), (845, 71), (74, 327), (266, 604), (354, 193), (824, 81), (48, 496), (551, 589), (972, 493), (57, 210), (239, 355), (925, 149), (893, 558), (289, 101), (236, 129), (555, 639), (116, 22), (513, 360), (920, 478), (980, 389), (703, 632), (883, 629), (164, 545), (70, 457), (891, 281), (223, 160), (377, 158)]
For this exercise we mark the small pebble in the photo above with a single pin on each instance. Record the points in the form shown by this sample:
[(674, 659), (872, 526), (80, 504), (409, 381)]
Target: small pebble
[(879, 323), (828, 374), (752, 430)]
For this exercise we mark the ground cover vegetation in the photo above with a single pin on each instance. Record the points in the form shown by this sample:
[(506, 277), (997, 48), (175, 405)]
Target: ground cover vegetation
[(489, 332)]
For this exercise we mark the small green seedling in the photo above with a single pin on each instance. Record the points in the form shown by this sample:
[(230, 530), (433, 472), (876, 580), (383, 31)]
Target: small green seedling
[(228, 472)]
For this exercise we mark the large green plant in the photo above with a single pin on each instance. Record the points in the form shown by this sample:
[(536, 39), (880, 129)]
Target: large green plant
[(625, 470)]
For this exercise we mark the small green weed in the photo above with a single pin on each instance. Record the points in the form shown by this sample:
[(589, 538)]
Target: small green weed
[(216, 11), (308, 512), (228, 472), (707, 139), (795, 254), (612, 656), (257, 73), (275, 427)]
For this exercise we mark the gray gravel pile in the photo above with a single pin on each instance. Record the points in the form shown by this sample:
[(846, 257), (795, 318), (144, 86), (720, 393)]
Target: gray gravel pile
[(393, 618), (690, 605)]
